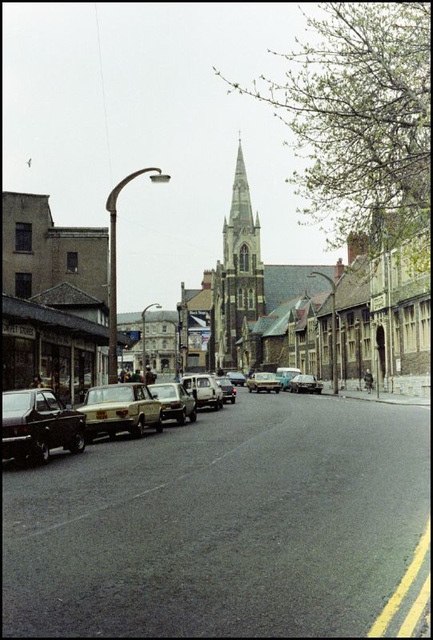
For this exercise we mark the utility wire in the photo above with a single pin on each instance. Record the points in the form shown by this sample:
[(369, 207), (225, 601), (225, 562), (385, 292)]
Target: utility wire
[(103, 97)]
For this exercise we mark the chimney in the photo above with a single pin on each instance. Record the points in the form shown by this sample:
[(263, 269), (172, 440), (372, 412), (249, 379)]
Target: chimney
[(357, 245), (207, 279), (338, 270)]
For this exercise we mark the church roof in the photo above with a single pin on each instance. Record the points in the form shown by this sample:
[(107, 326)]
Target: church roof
[(241, 212), (281, 315), (283, 282)]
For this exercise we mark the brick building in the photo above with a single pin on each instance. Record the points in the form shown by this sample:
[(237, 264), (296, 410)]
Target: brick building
[(195, 322)]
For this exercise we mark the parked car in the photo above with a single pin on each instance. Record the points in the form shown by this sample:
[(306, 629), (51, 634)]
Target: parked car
[(36, 421), (263, 381), (204, 389), (285, 374), (114, 408), (176, 403), (305, 383), (229, 391), (237, 378)]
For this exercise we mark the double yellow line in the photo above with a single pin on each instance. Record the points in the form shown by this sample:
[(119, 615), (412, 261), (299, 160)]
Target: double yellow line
[(381, 624)]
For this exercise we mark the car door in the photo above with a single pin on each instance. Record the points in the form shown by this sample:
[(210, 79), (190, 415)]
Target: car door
[(66, 421), (47, 427), (152, 407), (186, 399)]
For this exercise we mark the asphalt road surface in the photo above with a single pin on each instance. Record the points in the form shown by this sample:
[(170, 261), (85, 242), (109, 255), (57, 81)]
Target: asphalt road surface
[(280, 516)]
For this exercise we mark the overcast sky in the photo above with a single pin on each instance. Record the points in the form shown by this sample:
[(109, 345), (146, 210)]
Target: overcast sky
[(93, 92)]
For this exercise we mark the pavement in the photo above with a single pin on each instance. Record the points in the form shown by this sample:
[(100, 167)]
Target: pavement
[(389, 398)]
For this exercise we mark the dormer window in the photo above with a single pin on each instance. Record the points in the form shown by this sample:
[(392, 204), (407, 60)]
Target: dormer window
[(244, 259)]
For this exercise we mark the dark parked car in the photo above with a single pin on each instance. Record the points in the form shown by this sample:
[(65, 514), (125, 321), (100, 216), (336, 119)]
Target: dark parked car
[(305, 384), (35, 421), (236, 378), (229, 391), (176, 403)]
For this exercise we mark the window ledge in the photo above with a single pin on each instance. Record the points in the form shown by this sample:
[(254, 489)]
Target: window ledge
[(28, 253)]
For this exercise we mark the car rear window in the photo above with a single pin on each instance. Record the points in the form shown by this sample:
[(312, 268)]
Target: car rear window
[(16, 402), (118, 393), (164, 391)]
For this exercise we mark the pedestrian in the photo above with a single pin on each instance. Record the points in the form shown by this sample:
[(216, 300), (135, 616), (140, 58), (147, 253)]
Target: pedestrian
[(149, 377), (220, 372), (122, 375), (136, 377), (36, 382), (368, 379)]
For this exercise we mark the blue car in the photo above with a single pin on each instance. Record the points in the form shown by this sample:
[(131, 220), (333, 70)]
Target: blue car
[(236, 378)]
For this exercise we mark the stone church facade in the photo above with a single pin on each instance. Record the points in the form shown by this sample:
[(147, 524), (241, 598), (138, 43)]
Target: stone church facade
[(243, 288)]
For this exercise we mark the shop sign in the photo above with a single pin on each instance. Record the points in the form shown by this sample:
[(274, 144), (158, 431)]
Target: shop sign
[(19, 330), (379, 302), (56, 338)]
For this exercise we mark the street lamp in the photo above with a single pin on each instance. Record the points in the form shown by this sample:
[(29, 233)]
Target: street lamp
[(111, 207), (143, 315), (334, 331)]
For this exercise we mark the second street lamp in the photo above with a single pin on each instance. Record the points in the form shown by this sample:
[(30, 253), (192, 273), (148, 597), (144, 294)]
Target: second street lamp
[(143, 343), (112, 318), (334, 330)]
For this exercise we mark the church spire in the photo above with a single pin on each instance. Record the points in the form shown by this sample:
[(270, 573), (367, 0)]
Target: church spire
[(241, 212)]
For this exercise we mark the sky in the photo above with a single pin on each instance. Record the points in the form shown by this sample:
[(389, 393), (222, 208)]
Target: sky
[(93, 92)]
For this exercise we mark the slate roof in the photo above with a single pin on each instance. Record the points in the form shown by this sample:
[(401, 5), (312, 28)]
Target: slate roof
[(353, 288), (279, 325), (263, 323), (65, 294), (191, 293), (151, 316), (283, 282), (201, 302)]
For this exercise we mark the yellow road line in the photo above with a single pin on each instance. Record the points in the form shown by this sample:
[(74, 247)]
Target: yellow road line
[(379, 627), (415, 613)]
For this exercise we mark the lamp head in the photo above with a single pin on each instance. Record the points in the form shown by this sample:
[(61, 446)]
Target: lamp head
[(160, 178)]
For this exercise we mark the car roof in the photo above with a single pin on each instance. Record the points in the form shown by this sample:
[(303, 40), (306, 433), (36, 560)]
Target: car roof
[(32, 390), (122, 384)]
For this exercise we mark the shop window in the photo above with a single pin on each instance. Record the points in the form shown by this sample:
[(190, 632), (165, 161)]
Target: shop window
[(23, 236), (23, 285), (72, 262)]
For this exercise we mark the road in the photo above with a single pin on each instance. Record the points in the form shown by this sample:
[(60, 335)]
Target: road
[(279, 516)]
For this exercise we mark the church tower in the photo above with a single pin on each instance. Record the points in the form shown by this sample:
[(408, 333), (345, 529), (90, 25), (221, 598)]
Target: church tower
[(240, 287)]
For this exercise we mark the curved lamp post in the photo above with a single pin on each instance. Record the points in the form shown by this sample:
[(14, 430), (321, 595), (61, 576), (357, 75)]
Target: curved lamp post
[(111, 207), (143, 344), (334, 330)]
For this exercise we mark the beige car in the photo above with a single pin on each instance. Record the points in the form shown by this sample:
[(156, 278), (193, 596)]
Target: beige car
[(263, 381), (114, 408)]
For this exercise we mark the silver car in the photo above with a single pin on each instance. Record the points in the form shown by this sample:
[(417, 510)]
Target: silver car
[(176, 403)]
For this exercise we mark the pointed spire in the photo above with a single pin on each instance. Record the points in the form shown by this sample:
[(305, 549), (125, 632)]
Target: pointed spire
[(225, 225), (257, 220), (241, 212)]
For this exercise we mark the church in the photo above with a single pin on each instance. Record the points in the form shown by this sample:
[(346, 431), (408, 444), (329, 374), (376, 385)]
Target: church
[(244, 289)]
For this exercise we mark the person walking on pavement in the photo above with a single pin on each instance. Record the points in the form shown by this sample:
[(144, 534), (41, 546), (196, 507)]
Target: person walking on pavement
[(136, 377), (149, 377), (368, 379)]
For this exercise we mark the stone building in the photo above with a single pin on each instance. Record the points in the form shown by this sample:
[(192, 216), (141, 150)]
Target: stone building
[(195, 325), (244, 288), (37, 255), (161, 340)]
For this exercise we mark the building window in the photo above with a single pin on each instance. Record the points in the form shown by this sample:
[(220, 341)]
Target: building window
[(164, 328), (424, 324), (291, 335), (23, 285), (302, 337), (250, 299), (409, 328), (312, 363), (164, 344), (325, 343), (397, 338), (311, 329), (351, 337), (244, 259), (240, 299), (72, 262), (23, 236), (366, 337)]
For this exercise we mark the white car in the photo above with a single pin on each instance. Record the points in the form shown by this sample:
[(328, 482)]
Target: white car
[(204, 389)]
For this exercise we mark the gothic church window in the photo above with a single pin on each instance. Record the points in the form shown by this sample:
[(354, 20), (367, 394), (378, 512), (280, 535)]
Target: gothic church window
[(244, 259), (240, 298), (250, 299)]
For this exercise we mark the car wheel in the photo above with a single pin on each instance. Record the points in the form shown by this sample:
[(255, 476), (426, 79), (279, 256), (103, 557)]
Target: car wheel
[(216, 406), (221, 404), (89, 438), (319, 391), (193, 416), (138, 430), (182, 418), (78, 443), (233, 400), (41, 453), (269, 391), (277, 391), (250, 390)]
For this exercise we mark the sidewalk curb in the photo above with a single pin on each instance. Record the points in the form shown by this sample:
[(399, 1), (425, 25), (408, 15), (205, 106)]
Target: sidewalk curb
[(386, 401)]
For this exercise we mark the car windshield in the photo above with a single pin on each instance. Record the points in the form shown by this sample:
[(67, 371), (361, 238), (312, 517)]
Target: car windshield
[(16, 402), (118, 393), (265, 376), (223, 381), (236, 374), (307, 378), (163, 391)]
